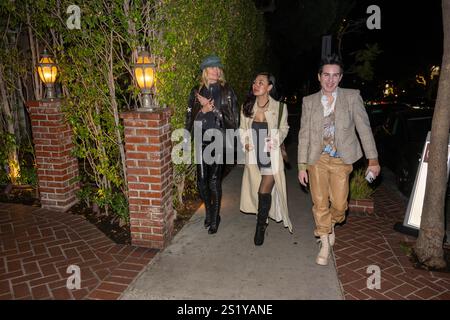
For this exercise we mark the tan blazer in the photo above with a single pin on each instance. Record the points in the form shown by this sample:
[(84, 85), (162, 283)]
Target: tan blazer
[(349, 114), (252, 176)]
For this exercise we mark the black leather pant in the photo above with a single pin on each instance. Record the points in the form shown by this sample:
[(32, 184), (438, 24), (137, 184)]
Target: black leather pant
[(209, 183)]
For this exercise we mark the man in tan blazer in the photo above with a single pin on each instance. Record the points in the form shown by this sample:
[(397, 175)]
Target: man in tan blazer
[(328, 146)]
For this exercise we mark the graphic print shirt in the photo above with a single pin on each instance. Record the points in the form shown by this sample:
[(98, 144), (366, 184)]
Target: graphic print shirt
[(329, 127)]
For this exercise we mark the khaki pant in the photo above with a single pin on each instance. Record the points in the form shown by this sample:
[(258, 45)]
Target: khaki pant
[(329, 184)]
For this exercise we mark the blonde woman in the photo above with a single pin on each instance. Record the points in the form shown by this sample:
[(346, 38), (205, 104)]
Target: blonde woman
[(212, 107)]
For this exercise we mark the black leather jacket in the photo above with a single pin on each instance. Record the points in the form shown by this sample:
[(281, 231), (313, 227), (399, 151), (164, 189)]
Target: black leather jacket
[(227, 112)]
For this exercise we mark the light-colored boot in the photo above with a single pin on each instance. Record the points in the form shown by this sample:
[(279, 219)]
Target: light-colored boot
[(332, 236), (322, 257)]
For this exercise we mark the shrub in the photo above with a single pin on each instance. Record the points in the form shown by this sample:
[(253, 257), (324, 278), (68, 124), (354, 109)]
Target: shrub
[(359, 187), (96, 62)]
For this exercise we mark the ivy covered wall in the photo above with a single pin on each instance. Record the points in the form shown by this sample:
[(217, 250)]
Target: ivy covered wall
[(96, 61), (233, 30)]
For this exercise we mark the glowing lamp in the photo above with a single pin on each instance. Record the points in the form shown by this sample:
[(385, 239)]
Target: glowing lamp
[(144, 73), (47, 71)]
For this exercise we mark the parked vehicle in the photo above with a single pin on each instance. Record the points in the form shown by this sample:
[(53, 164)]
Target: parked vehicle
[(400, 140), (378, 113)]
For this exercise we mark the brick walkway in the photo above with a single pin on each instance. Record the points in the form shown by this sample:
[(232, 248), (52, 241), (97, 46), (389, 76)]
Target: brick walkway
[(370, 240), (37, 246)]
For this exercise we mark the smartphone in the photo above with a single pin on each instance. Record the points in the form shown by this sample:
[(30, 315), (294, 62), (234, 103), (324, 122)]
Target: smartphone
[(370, 177)]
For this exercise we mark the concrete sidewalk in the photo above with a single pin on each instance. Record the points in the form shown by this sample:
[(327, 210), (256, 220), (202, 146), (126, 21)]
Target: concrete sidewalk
[(227, 265)]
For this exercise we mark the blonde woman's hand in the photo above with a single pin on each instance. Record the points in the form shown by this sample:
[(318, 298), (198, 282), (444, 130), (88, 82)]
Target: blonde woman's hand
[(207, 104), (248, 147)]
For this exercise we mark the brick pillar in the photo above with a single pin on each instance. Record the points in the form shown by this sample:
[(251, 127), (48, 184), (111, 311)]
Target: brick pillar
[(57, 170), (149, 176)]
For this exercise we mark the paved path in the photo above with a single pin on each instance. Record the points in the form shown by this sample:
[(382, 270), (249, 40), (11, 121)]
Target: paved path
[(37, 246), (228, 265)]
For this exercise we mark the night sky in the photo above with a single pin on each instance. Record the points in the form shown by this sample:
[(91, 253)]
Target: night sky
[(410, 37)]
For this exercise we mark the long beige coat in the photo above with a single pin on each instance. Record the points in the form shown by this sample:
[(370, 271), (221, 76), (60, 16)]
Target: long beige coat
[(252, 176)]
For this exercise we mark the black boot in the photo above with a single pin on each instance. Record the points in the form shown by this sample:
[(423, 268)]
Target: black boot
[(207, 222), (214, 225), (216, 195), (215, 217), (205, 194), (264, 203)]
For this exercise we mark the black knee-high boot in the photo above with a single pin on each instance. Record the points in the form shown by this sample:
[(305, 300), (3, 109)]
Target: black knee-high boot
[(215, 217), (205, 194), (216, 195), (208, 214), (264, 203)]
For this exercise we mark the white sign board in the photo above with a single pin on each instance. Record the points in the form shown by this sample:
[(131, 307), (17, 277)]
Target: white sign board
[(414, 211)]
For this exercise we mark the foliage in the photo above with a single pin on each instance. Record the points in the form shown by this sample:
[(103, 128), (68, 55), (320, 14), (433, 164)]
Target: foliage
[(114, 200), (95, 81), (8, 143), (12, 116), (24, 167), (359, 187), (28, 175), (233, 30), (95, 69), (364, 60), (86, 194), (406, 248)]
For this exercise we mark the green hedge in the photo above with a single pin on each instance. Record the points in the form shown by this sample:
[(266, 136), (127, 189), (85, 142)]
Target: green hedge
[(232, 29), (179, 32)]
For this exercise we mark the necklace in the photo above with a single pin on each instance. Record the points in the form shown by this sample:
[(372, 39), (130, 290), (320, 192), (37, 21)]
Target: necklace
[(265, 104)]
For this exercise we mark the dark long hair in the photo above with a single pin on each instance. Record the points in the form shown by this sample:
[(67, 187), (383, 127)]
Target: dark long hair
[(247, 107)]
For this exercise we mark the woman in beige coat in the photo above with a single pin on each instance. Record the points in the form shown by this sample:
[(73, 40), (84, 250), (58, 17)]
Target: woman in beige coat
[(264, 182)]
